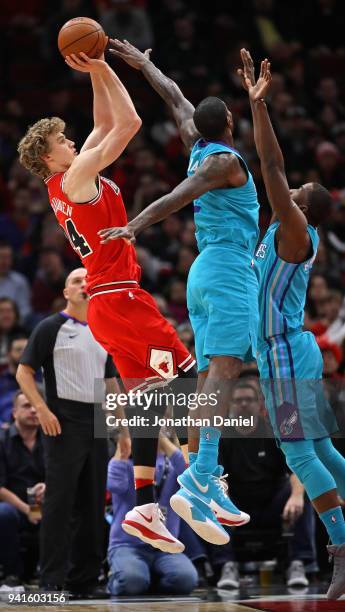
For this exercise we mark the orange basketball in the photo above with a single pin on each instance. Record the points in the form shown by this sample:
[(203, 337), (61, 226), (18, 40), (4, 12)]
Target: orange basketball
[(82, 34)]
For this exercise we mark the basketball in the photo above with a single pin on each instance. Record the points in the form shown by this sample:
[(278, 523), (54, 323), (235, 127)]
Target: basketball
[(82, 34)]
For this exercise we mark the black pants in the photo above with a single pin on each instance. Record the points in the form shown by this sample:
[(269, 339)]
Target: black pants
[(72, 529)]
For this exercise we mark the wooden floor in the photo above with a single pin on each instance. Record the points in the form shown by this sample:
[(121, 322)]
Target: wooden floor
[(110, 606), (281, 604)]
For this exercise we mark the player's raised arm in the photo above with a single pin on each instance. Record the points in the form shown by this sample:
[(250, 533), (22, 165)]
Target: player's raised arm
[(104, 117), (217, 171), (86, 166), (182, 109), (293, 221)]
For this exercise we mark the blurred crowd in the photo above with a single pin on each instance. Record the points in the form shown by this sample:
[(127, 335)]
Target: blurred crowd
[(200, 50), (198, 46)]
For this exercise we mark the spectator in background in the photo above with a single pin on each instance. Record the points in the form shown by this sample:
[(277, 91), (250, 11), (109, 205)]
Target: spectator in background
[(332, 356), (149, 189), (123, 20), (64, 11), (338, 133), (184, 55), (332, 307), (317, 294), (13, 284), (336, 330), (177, 304), (8, 382), (9, 326), (152, 268), (329, 312), (335, 234), (49, 282), (18, 225), (327, 92), (21, 466), (136, 567), (329, 165), (185, 259), (185, 333)]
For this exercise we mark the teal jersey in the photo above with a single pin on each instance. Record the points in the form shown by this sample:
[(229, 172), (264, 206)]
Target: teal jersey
[(282, 286), (224, 216)]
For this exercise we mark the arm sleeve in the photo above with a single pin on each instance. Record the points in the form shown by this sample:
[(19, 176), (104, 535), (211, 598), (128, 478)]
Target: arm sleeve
[(40, 344), (110, 370)]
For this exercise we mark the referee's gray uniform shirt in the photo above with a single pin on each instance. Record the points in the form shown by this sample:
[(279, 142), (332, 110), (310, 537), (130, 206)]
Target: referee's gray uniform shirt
[(71, 360)]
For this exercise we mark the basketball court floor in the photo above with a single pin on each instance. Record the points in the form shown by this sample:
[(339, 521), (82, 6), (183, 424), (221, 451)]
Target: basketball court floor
[(271, 599)]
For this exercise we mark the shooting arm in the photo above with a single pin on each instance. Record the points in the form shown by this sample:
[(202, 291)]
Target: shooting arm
[(103, 112), (87, 165)]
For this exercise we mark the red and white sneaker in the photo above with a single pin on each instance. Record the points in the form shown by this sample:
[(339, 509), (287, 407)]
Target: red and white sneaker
[(147, 523)]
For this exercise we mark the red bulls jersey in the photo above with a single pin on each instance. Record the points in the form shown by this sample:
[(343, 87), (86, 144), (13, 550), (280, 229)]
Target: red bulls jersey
[(105, 263)]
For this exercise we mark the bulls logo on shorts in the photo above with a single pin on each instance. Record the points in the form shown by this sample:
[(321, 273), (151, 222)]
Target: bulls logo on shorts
[(162, 361)]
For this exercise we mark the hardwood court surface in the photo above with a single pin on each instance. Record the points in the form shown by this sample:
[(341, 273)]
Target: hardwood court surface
[(270, 604), (113, 606)]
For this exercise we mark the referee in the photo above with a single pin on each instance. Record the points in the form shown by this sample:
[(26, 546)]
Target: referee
[(72, 529)]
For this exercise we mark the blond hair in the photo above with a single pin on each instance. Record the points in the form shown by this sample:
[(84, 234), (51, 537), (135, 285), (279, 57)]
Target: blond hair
[(35, 144)]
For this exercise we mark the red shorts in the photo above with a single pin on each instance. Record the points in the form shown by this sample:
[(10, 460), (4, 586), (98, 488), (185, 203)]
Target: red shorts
[(145, 348)]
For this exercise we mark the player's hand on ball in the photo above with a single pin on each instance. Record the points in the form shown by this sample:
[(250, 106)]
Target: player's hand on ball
[(49, 422), (114, 233), (83, 63), (130, 54), (259, 89)]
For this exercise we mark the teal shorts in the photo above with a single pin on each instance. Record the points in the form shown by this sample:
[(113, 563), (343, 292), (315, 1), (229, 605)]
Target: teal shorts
[(222, 300), (290, 367)]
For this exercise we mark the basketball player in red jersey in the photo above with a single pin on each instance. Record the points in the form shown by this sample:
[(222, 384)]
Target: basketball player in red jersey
[(122, 316)]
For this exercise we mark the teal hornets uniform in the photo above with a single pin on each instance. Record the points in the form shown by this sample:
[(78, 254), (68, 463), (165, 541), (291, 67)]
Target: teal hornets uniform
[(222, 288), (289, 359)]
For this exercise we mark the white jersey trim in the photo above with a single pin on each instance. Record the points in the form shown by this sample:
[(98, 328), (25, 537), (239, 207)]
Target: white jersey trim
[(190, 366), (185, 361), (115, 283), (88, 202), (46, 180), (110, 291)]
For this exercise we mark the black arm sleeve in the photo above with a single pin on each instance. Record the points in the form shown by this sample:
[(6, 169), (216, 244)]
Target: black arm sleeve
[(110, 370)]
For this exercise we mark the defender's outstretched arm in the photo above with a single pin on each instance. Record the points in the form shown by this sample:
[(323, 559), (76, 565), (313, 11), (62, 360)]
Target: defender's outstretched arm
[(182, 109), (217, 171), (293, 221)]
